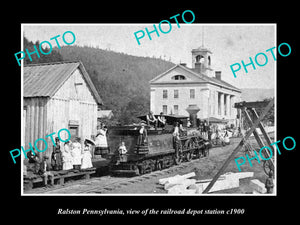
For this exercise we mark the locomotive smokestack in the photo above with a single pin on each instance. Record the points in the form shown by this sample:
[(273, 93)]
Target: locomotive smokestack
[(193, 110)]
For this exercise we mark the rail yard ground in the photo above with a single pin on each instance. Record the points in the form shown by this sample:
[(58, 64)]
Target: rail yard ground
[(205, 168)]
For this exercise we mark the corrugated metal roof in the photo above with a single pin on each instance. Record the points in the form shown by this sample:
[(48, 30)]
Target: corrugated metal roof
[(43, 80)]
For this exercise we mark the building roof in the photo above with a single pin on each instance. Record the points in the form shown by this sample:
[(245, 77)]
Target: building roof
[(45, 79), (201, 48), (104, 113), (217, 81), (211, 80), (216, 120)]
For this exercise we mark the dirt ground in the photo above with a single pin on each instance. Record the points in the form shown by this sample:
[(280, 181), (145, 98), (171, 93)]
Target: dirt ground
[(205, 168)]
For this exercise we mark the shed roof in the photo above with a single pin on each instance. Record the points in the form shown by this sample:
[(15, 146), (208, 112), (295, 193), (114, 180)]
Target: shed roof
[(44, 80), (215, 120), (104, 113)]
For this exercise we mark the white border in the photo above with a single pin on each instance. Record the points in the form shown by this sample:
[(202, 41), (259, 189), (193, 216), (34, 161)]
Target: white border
[(140, 24)]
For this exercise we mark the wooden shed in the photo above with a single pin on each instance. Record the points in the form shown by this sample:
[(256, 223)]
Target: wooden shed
[(55, 96)]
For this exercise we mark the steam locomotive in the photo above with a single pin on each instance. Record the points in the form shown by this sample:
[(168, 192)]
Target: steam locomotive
[(155, 151)]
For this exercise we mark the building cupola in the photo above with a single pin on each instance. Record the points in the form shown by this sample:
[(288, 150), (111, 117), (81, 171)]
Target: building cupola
[(201, 60)]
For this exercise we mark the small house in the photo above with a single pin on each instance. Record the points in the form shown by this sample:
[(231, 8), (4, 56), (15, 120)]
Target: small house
[(55, 96)]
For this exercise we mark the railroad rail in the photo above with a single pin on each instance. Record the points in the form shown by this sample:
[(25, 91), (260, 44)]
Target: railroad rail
[(107, 184)]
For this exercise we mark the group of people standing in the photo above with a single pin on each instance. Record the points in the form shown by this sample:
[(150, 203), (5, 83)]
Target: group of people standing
[(204, 128), (71, 156)]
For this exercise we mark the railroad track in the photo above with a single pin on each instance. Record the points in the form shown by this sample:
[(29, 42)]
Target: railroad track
[(107, 184)]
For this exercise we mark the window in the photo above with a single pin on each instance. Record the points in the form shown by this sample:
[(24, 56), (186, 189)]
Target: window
[(176, 109), (199, 59), (192, 93), (176, 94), (165, 93), (178, 77), (165, 109), (73, 131)]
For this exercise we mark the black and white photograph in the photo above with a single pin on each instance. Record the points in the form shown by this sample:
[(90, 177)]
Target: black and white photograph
[(129, 109), (149, 111)]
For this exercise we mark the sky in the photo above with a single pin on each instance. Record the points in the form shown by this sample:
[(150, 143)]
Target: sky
[(229, 43)]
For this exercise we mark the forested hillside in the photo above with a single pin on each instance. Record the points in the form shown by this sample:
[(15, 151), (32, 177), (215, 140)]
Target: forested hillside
[(122, 80), (256, 94), (54, 56)]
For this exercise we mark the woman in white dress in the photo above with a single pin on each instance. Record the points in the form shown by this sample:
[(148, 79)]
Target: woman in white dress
[(86, 157), (101, 141), (67, 157), (76, 153)]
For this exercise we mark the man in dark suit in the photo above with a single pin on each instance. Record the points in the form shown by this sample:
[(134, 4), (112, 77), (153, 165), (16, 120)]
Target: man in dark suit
[(56, 157), (269, 185), (161, 120)]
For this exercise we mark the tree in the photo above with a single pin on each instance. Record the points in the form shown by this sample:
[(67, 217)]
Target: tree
[(121, 80), (54, 56)]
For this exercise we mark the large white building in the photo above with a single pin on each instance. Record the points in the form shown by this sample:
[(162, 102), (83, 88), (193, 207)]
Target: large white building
[(173, 91)]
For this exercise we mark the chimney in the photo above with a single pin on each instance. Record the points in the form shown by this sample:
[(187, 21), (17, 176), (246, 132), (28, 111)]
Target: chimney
[(218, 75), (198, 67)]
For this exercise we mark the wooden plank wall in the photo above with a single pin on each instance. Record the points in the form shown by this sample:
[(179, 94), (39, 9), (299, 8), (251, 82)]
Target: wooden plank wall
[(61, 111), (35, 121), (73, 101)]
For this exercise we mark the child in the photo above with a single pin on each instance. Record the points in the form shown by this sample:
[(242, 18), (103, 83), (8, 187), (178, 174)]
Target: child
[(86, 157), (45, 171), (122, 153), (122, 149)]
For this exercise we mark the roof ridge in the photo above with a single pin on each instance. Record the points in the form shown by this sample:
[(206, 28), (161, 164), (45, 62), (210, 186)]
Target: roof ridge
[(52, 63)]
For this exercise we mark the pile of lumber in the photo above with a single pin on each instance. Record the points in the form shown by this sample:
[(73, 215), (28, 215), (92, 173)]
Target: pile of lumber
[(258, 187), (183, 184)]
